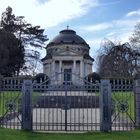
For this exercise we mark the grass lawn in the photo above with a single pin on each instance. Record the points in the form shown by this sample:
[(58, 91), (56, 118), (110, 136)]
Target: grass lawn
[(126, 97), (14, 97), (123, 96), (7, 134), (7, 97)]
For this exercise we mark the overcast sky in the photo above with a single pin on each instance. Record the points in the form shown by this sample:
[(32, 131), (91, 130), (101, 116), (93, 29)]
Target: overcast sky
[(93, 20)]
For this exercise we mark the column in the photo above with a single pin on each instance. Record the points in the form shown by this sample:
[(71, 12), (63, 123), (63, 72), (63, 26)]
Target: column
[(74, 71), (74, 66), (53, 72), (60, 70), (81, 69), (50, 70), (53, 67)]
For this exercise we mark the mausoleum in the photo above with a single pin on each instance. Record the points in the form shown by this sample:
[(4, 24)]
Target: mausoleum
[(67, 57)]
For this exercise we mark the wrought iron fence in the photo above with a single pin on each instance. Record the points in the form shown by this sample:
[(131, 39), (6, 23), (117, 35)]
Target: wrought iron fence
[(10, 109), (122, 104), (67, 106)]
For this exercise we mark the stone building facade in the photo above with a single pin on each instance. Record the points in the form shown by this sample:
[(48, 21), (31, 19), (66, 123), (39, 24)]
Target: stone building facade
[(67, 57)]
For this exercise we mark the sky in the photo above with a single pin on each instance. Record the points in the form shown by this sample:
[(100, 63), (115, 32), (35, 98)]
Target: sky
[(93, 20)]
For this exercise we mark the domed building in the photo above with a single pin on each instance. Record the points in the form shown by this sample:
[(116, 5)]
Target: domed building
[(67, 58)]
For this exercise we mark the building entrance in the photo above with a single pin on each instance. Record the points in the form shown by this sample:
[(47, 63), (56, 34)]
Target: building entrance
[(67, 75)]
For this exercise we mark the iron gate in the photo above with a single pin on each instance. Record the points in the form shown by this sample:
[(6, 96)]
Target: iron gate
[(66, 106)]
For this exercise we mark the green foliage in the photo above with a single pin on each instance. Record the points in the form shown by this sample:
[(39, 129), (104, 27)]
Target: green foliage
[(93, 77), (11, 54)]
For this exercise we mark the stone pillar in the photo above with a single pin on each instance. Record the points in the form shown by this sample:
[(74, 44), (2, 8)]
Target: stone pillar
[(74, 66), (74, 71), (81, 69), (0, 85), (26, 106), (60, 71), (50, 70), (137, 100), (105, 106), (53, 67)]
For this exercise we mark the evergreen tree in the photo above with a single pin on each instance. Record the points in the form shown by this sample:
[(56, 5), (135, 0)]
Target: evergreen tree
[(31, 37), (11, 54)]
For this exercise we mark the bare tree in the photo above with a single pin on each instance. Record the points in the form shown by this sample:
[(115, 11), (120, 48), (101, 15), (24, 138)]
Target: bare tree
[(33, 63), (118, 60), (135, 39)]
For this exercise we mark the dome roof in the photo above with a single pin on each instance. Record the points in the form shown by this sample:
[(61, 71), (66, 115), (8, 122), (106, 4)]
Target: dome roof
[(67, 36)]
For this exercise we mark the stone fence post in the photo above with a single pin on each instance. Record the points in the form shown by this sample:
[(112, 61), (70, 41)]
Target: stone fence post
[(105, 106), (1, 82), (137, 100), (0, 88), (26, 106)]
